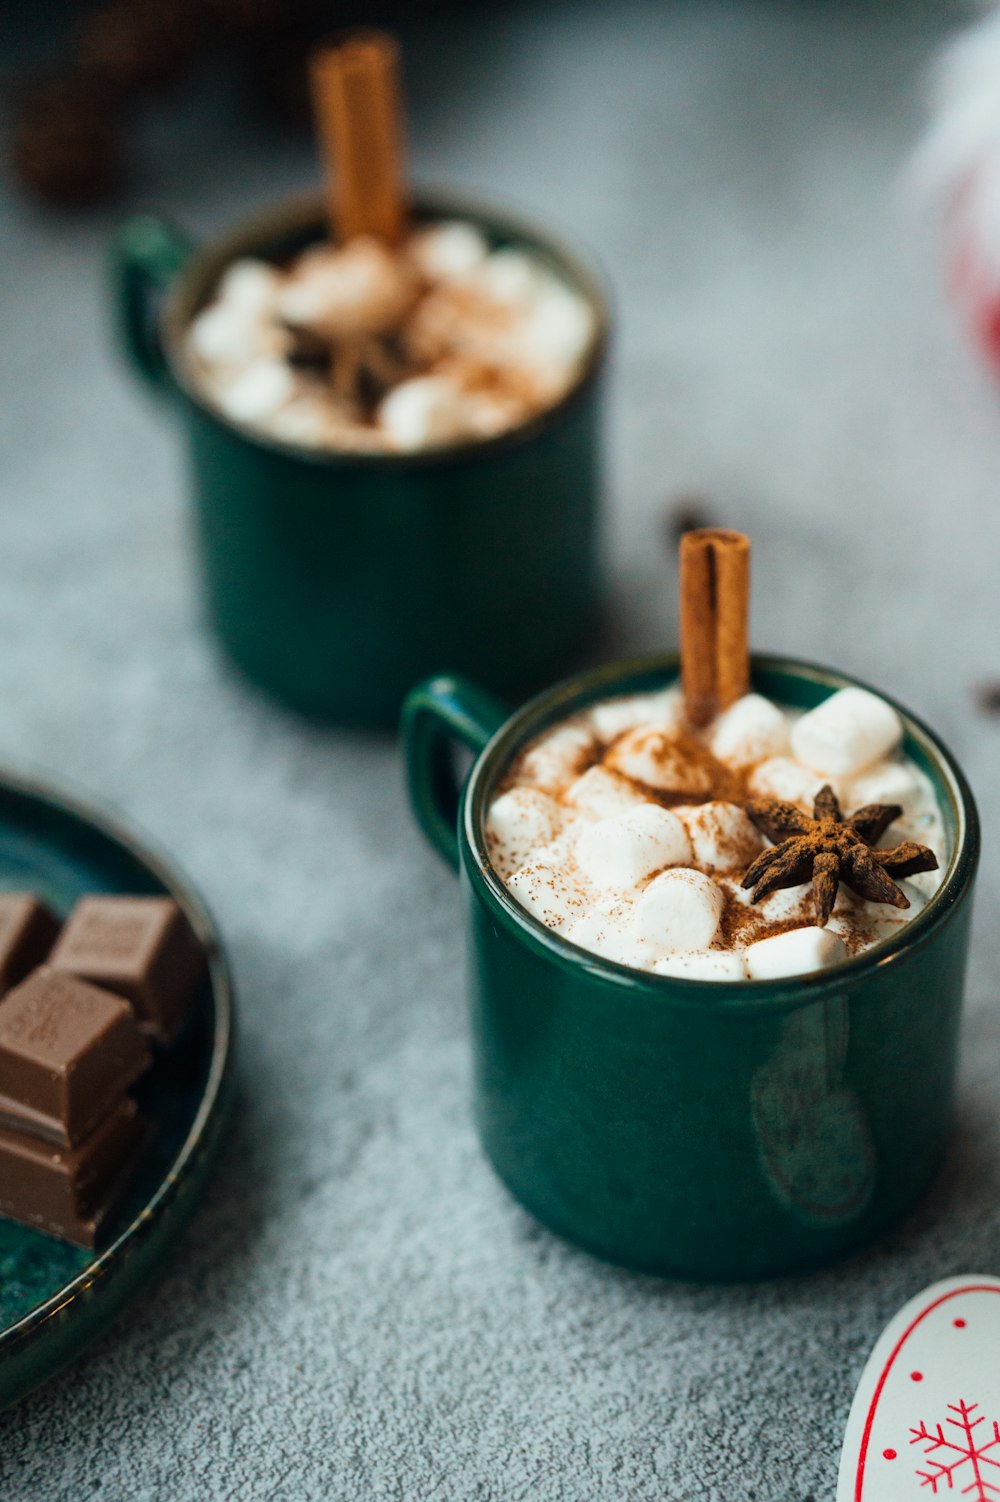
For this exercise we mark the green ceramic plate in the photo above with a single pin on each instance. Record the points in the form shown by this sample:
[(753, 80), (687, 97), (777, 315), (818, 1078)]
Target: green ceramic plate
[(55, 1298)]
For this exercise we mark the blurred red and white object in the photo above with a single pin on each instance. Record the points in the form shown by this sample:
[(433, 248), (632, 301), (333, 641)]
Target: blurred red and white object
[(959, 162)]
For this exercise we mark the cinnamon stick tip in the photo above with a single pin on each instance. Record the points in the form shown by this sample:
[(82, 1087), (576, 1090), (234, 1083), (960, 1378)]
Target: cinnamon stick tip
[(721, 537), (362, 44)]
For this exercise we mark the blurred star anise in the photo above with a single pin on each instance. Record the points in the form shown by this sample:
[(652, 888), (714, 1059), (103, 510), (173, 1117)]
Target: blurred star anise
[(829, 849)]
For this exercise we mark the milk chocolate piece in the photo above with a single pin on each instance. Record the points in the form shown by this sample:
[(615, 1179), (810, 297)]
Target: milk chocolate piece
[(142, 948), (68, 1051), (69, 1191), (27, 933)]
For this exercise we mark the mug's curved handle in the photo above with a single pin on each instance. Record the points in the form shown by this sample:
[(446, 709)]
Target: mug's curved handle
[(146, 255), (436, 714)]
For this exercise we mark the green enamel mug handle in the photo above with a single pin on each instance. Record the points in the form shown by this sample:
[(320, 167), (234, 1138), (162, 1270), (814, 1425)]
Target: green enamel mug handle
[(146, 255), (438, 714)]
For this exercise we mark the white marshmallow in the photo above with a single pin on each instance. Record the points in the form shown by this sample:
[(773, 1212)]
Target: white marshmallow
[(751, 730), (917, 891), (920, 887), (601, 793), (797, 952), (487, 413), (777, 907), (680, 909), (846, 733), (230, 336), (880, 924), (882, 915), (660, 711), (448, 252), (520, 822), (618, 852), (891, 782), (652, 757), (510, 276), (302, 421), (600, 934), (784, 779), (786, 903), (360, 288), (781, 906), (258, 392), (924, 824), (423, 412), (703, 964), (557, 759), (249, 285), (306, 295), (559, 330), (721, 835), (314, 422), (547, 893)]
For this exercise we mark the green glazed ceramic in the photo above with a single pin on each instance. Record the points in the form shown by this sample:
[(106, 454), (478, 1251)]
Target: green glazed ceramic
[(694, 1130), (336, 581), (55, 1298)]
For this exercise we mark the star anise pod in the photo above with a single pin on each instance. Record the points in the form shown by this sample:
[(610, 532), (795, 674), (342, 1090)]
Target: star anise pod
[(829, 849)]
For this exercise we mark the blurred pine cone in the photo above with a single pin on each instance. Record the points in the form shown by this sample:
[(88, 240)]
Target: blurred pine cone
[(136, 47), (66, 145)]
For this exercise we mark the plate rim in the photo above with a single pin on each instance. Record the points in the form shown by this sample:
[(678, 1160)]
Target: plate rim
[(33, 783)]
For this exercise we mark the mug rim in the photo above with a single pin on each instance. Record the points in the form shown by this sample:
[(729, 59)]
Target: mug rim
[(298, 213), (574, 693)]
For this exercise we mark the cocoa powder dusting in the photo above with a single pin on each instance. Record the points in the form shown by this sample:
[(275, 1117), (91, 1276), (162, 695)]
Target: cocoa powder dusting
[(588, 756), (708, 780), (724, 784), (741, 925), (702, 777)]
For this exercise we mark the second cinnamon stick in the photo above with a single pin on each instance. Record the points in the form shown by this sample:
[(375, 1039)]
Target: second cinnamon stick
[(714, 611), (356, 101)]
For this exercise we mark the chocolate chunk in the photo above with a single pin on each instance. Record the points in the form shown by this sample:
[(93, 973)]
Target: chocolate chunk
[(68, 1052), (69, 1191), (27, 933), (142, 948)]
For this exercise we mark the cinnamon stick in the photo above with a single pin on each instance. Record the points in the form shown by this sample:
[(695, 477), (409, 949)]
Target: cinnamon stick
[(356, 103), (697, 593), (714, 609)]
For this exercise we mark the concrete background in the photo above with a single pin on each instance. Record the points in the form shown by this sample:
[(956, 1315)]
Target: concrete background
[(359, 1311)]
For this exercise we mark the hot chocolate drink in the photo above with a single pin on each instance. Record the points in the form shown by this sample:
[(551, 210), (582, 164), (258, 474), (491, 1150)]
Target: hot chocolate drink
[(390, 336), (743, 843), (367, 347), (632, 836)]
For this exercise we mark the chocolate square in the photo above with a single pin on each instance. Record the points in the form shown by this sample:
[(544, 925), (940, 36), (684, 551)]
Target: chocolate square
[(68, 1192), (68, 1052), (27, 933), (142, 948)]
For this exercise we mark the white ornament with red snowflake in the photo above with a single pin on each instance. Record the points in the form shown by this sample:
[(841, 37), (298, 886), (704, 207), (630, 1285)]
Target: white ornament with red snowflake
[(960, 1444), (925, 1421)]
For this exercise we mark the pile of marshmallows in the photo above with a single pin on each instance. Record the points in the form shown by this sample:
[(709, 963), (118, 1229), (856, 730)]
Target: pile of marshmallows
[(462, 342), (591, 856)]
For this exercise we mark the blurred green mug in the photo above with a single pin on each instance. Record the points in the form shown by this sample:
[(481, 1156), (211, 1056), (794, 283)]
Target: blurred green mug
[(688, 1128), (336, 580)]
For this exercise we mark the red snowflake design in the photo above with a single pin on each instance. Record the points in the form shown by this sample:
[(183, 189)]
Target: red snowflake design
[(954, 1451)]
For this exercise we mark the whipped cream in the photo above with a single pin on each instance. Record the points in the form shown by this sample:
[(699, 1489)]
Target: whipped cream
[(364, 348), (626, 834)]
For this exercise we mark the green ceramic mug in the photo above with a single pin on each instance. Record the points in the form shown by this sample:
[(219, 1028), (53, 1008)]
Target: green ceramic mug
[(337, 580), (685, 1128)]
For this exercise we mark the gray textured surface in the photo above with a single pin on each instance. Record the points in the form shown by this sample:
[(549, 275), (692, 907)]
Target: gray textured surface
[(359, 1311)]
